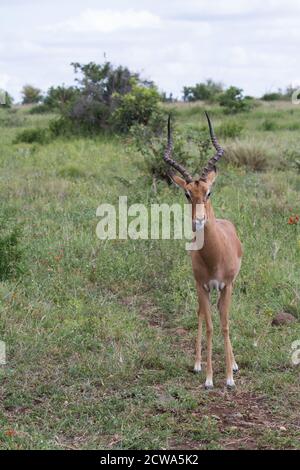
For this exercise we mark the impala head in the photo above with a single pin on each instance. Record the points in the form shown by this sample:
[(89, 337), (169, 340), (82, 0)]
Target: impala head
[(197, 191)]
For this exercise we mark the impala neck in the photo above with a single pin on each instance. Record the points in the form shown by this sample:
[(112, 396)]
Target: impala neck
[(211, 235)]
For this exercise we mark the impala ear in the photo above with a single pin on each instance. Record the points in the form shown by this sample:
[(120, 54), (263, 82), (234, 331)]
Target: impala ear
[(179, 181), (210, 179)]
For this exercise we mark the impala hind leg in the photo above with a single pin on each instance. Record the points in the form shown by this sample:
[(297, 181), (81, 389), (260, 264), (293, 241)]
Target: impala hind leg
[(223, 306), (204, 314)]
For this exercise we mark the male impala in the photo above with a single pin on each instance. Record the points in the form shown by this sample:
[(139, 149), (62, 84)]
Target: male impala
[(217, 263)]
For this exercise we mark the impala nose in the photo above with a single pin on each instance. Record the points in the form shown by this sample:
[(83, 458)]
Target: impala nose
[(198, 224)]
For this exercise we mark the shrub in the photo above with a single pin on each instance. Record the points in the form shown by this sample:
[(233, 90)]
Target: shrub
[(191, 150), (39, 109), (207, 91), (10, 251), (233, 101), (31, 94), (269, 125), (250, 155), (230, 130), (272, 96), (35, 135), (137, 106), (57, 98)]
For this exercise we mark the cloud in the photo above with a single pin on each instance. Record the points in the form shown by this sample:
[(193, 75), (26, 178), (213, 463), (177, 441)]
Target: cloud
[(107, 21)]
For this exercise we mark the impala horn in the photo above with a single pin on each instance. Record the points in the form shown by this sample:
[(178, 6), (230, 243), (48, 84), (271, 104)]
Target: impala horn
[(211, 164), (167, 156)]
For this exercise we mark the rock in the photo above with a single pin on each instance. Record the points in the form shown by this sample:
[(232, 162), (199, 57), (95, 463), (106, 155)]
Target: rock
[(283, 318)]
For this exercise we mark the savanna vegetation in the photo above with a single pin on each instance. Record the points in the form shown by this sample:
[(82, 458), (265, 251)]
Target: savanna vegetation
[(100, 334)]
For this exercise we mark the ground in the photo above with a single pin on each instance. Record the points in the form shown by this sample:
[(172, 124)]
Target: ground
[(100, 334)]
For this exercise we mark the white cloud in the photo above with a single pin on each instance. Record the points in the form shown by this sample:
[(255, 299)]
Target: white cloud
[(108, 21)]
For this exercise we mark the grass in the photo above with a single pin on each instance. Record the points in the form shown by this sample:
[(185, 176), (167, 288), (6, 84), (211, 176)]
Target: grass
[(100, 335)]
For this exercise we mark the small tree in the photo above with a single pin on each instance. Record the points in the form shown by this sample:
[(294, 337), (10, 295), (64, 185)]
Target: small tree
[(206, 91), (31, 95), (136, 106), (233, 101), (59, 97)]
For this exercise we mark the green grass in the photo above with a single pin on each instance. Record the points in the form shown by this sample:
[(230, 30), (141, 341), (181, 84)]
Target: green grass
[(100, 335)]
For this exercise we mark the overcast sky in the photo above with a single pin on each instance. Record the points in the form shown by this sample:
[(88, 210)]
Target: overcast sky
[(252, 44)]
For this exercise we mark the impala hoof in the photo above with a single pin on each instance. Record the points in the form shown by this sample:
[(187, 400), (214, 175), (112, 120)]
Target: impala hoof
[(209, 385), (197, 368), (235, 367), (230, 384)]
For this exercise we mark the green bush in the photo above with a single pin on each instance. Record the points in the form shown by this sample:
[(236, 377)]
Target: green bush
[(207, 91), (136, 107), (191, 149), (10, 251), (35, 135), (272, 96), (230, 130), (31, 94), (233, 101), (58, 98), (39, 109), (269, 125)]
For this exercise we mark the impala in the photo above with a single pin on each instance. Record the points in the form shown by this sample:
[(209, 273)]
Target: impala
[(217, 264)]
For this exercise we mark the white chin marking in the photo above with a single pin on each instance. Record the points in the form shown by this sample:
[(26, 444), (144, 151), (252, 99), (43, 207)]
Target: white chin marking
[(209, 383), (199, 226), (230, 383)]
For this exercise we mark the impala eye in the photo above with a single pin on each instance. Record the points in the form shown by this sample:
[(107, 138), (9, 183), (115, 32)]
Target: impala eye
[(208, 194)]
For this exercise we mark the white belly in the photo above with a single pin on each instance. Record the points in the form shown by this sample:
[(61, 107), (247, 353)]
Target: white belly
[(214, 284)]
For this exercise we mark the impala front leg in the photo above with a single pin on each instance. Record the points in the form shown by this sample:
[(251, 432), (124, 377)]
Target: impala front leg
[(204, 313), (223, 306)]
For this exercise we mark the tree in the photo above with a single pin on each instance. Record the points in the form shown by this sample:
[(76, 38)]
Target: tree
[(108, 97), (206, 91), (233, 100), (31, 95), (58, 97)]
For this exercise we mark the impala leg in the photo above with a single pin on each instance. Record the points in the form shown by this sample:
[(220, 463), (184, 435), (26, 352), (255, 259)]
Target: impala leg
[(223, 306), (197, 366), (204, 313)]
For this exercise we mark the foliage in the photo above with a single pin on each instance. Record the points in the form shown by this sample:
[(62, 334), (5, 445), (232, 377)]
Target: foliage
[(57, 98), (274, 96), (135, 107), (233, 101), (191, 148), (31, 94), (100, 101), (34, 135), (230, 129), (207, 91), (10, 250)]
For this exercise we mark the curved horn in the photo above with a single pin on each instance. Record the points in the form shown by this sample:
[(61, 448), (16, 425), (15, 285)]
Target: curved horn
[(220, 151), (167, 156)]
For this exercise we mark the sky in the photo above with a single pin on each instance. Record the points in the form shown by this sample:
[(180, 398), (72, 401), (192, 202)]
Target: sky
[(251, 44)]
